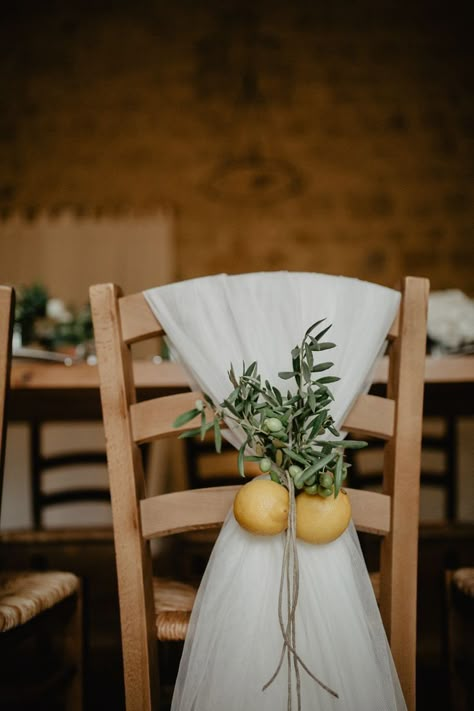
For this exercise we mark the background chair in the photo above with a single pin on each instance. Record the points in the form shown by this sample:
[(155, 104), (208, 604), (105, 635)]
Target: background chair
[(459, 632), (66, 251), (148, 611), (40, 613)]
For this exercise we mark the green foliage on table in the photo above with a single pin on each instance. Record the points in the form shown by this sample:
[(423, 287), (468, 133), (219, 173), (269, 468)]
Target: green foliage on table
[(47, 322), (284, 430), (31, 302)]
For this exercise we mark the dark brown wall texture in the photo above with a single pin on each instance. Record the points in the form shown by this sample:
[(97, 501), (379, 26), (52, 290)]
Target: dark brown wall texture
[(335, 137)]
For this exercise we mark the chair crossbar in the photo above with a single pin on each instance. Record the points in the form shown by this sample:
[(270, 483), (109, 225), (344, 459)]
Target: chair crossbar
[(371, 415), (206, 508), (137, 319)]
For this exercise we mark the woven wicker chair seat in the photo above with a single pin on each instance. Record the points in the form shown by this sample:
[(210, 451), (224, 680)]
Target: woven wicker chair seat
[(463, 580), (24, 595), (173, 604)]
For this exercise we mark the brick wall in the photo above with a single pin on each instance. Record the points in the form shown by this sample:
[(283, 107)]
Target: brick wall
[(301, 135)]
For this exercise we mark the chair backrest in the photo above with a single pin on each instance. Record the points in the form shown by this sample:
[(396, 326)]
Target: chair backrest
[(120, 321), (7, 306)]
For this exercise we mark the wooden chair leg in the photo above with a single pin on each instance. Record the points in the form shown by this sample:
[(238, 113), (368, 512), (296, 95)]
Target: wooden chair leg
[(74, 649)]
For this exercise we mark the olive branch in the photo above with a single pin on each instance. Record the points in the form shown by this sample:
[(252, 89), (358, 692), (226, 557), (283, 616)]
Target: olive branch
[(284, 431)]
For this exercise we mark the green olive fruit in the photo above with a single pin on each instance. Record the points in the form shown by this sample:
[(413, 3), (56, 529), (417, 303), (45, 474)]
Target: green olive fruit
[(313, 489), (326, 481), (323, 491), (298, 480), (265, 465), (273, 424), (294, 470)]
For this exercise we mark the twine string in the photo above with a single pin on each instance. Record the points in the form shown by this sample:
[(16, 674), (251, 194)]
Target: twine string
[(290, 575)]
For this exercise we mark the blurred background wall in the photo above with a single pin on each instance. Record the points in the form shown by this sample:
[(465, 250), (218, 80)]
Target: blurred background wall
[(336, 137)]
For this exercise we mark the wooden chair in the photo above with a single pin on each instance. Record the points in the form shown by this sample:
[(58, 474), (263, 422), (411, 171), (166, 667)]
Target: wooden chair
[(147, 613), (34, 605)]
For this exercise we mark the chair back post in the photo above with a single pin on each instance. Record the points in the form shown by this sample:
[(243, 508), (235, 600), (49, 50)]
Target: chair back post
[(402, 461), (127, 488), (7, 308)]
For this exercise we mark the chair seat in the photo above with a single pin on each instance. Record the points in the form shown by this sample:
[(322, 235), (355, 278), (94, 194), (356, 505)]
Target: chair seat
[(173, 604), (23, 595)]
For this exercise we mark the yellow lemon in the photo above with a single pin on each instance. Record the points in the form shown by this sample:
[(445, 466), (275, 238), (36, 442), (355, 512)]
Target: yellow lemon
[(322, 519), (261, 507)]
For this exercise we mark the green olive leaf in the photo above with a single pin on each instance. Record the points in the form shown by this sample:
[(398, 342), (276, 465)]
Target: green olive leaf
[(295, 457), (251, 369), (322, 333), (190, 433), (306, 372), (217, 436), (338, 475), (232, 377), (321, 366), (186, 417), (326, 346), (313, 326), (286, 375), (319, 464), (240, 459)]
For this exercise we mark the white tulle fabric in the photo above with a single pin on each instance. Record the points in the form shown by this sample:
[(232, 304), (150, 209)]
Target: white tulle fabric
[(234, 640)]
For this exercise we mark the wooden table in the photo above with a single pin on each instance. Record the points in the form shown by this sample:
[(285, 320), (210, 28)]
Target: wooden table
[(449, 385), (52, 391), (56, 392)]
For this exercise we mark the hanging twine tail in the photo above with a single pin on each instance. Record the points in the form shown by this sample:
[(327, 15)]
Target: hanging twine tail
[(290, 575)]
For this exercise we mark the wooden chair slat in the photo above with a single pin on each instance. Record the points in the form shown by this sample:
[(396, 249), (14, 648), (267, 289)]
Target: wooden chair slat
[(137, 319), (371, 416), (153, 419), (207, 508), (371, 511), (186, 510), (211, 466)]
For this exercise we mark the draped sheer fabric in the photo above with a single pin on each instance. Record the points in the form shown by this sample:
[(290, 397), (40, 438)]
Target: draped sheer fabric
[(234, 640)]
